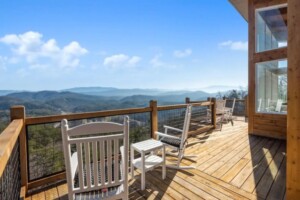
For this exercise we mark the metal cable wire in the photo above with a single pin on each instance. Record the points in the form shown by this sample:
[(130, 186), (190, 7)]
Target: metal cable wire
[(45, 143), (10, 181)]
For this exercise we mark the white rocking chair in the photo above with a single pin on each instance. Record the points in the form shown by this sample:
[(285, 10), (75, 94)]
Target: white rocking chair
[(93, 166), (228, 112), (220, 112), (177, 143)]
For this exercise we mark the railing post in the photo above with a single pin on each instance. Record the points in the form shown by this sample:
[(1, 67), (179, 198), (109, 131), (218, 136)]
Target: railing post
[(187, 100), (213, 112), (18, 112), (154, 120)]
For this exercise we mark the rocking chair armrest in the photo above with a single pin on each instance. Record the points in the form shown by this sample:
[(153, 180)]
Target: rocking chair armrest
[(172, 128), (166, 135)]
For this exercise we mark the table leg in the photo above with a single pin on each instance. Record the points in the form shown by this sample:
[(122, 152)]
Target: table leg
[(143, 170)]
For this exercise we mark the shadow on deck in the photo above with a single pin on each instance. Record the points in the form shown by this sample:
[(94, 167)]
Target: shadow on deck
[(230, 164)]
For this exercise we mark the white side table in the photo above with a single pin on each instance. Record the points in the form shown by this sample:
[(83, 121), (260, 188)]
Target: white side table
[(147, 162)]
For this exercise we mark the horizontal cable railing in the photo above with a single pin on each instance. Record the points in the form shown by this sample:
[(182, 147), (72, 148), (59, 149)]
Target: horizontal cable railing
[(174, 116), (38, 140), (45, 152), (239, 106), (10, 178), (10, 181)]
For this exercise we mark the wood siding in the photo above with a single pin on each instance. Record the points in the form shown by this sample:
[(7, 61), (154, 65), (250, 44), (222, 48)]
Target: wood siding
[(269, 125)]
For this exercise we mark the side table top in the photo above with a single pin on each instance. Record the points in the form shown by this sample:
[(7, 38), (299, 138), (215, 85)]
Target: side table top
[(147, 145)]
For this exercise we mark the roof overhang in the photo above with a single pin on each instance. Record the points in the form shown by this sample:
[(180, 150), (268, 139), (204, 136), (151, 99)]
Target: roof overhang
[(241, 6)]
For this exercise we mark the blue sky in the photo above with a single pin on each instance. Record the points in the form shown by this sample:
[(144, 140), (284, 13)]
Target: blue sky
[(167, 44)]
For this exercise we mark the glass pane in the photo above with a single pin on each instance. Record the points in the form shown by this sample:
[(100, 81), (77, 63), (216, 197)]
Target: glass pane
[(271, 87), (271, 28)]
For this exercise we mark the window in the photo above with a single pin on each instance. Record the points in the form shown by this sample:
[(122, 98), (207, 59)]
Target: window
[(271, 28), (271, 87)]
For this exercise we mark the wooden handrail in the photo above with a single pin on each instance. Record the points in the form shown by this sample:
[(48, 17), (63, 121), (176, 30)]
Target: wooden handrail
[(171, 107), (8, 140), (152, 109), (178, 106), (106, 113)]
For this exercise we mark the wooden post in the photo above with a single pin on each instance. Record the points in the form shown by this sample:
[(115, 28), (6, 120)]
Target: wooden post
[(251, 65), (154, 118), (187, 100), (293, 114), (246, 106), (213, 113), (18, 112)]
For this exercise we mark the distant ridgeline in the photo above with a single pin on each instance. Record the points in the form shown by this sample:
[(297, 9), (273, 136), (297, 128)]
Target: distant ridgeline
[(91, 99), (51, 102)]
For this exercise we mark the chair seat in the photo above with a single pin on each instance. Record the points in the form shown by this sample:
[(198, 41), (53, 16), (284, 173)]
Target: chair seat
[(171, 141), (98, 194)]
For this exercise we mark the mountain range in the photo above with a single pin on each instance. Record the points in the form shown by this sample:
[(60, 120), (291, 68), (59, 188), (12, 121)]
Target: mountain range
[(53, 102), (89, 99), (84, 99)]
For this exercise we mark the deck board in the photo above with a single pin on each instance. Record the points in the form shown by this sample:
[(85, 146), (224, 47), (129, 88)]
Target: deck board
[(236, 158), (230, 164)]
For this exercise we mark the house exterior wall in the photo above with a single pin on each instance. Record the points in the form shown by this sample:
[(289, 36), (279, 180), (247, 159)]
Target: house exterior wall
[(264, 124)]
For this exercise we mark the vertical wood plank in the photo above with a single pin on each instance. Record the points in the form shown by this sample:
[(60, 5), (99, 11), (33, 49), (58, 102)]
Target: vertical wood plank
[(293, 118), (79, 157), (109, 161), (251, 67), (95, 163), (116, 160), (102, 164), (87, 163)]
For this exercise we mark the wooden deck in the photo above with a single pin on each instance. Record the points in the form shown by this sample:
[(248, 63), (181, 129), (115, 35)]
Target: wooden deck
[(230, 164)]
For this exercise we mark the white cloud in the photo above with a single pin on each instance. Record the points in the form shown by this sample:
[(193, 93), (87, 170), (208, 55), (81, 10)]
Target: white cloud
[(238, 45), (121, 60), (182, 53), (134, 60), (3, 61), (38, 52), (156, 62)]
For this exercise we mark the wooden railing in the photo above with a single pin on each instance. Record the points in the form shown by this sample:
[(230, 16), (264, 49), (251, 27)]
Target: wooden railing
[(10, 159), (240, 108), (22, 127)]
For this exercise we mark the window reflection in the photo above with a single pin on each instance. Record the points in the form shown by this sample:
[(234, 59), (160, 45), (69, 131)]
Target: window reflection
[(271, 87), (271, 28)]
